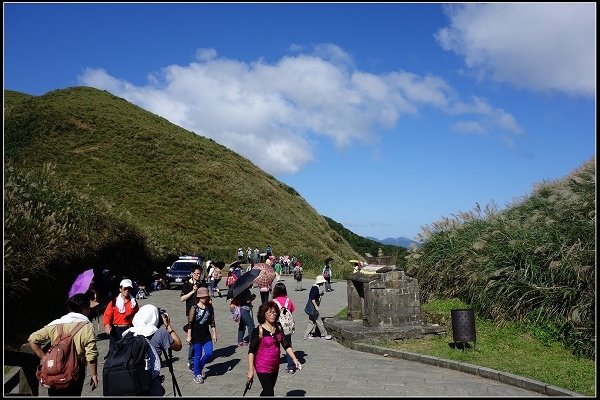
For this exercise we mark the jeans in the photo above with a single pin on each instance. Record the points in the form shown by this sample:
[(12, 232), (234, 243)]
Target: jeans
[(246, 322), (203, 352), (191, 354)]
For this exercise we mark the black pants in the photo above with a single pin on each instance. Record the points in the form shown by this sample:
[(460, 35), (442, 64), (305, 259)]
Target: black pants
[(267, 381), (75, 389), (116, 333), (264, 297)]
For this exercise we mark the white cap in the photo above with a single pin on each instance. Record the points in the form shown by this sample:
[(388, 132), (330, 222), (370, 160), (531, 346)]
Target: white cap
[(126, 283)]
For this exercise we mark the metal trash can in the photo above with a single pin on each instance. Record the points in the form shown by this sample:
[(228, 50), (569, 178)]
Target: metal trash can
[(463, 327)]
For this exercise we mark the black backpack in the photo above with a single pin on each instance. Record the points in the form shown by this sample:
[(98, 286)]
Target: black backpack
[(127, 370)]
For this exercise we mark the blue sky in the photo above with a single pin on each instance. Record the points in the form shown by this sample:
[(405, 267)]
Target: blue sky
[(384, 117)]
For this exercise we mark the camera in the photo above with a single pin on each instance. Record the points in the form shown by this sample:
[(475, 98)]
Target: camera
[(161, 313)]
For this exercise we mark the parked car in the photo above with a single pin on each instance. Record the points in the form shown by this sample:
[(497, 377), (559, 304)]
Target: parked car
[(181, 270)]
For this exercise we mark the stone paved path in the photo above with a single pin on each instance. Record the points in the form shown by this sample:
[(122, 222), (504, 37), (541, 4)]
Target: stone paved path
[(329, 369)]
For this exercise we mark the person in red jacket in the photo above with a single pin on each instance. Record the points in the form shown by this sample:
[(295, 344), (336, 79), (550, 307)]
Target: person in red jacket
[(118, 316)]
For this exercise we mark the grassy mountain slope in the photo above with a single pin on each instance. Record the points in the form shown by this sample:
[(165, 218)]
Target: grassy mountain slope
[(534, 261), (186, 192)]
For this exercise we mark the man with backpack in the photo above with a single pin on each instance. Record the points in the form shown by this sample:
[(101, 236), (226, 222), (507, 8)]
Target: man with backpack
[(68, 379)]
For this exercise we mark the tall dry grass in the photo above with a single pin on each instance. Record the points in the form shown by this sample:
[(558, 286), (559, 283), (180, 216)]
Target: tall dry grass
[(534, 261)]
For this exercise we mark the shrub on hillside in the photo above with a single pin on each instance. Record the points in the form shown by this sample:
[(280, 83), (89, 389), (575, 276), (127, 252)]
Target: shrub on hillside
[(534, 261)]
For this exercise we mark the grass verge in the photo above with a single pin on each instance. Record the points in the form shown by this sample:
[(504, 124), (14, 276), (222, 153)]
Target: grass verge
[(513, 348)]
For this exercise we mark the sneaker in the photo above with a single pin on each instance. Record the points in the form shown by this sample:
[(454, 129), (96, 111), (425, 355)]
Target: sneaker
[(311, 337), (203, 374), (240, 344), (198, 379), (290, 371), (305, 337), (190, 366), (326, 337)]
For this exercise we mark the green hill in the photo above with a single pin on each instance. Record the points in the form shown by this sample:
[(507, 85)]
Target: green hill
[(187, 192), (93, 181)]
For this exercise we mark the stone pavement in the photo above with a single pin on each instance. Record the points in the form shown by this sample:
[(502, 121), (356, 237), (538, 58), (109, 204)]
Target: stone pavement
[(328, 368)]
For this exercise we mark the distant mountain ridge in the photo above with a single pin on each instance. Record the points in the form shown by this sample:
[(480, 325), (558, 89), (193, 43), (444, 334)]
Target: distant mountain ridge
[(399, 241)]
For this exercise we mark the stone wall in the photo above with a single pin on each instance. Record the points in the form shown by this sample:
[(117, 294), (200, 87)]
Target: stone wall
[(390, 298)]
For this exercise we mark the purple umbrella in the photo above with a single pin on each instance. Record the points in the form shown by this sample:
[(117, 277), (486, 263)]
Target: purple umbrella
[(82, 282)]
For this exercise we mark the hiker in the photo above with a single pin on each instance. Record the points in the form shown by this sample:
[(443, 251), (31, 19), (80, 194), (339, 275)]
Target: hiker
[(298, 275), (145, 323), (79, 306), (119, 313), (263, 353), (327, 273), (231, 278), (277, 268), (312, 308), (202, 332), (165, 339), (244, 302), (188, 294), (214, 275), (280, 298)]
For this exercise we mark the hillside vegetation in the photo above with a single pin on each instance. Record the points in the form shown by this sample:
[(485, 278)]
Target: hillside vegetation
[(92, 181), (364, 245), (533, 262), (186, 193)]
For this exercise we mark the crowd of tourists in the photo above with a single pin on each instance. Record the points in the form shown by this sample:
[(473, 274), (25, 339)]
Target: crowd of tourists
[(130, 327)]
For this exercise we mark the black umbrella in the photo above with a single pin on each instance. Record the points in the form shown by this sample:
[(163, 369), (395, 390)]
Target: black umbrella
[(235, 263), (242, 283), (327, 260)]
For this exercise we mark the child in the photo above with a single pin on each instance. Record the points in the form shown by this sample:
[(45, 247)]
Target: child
[(201, 320)]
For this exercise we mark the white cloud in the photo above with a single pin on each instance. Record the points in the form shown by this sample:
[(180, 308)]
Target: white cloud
[(471, 127), (537, 46), (274, 114)]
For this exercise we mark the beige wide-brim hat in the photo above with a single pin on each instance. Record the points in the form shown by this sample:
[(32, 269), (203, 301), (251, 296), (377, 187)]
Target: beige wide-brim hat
[(320, 279)]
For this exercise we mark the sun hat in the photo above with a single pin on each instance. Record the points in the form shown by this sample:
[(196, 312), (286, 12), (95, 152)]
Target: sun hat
[(320, 279), (202, 292), (126, 283)]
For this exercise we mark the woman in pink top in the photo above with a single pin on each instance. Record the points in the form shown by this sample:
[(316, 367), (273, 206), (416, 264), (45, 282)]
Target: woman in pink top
[(280, 297), (263, 354)]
